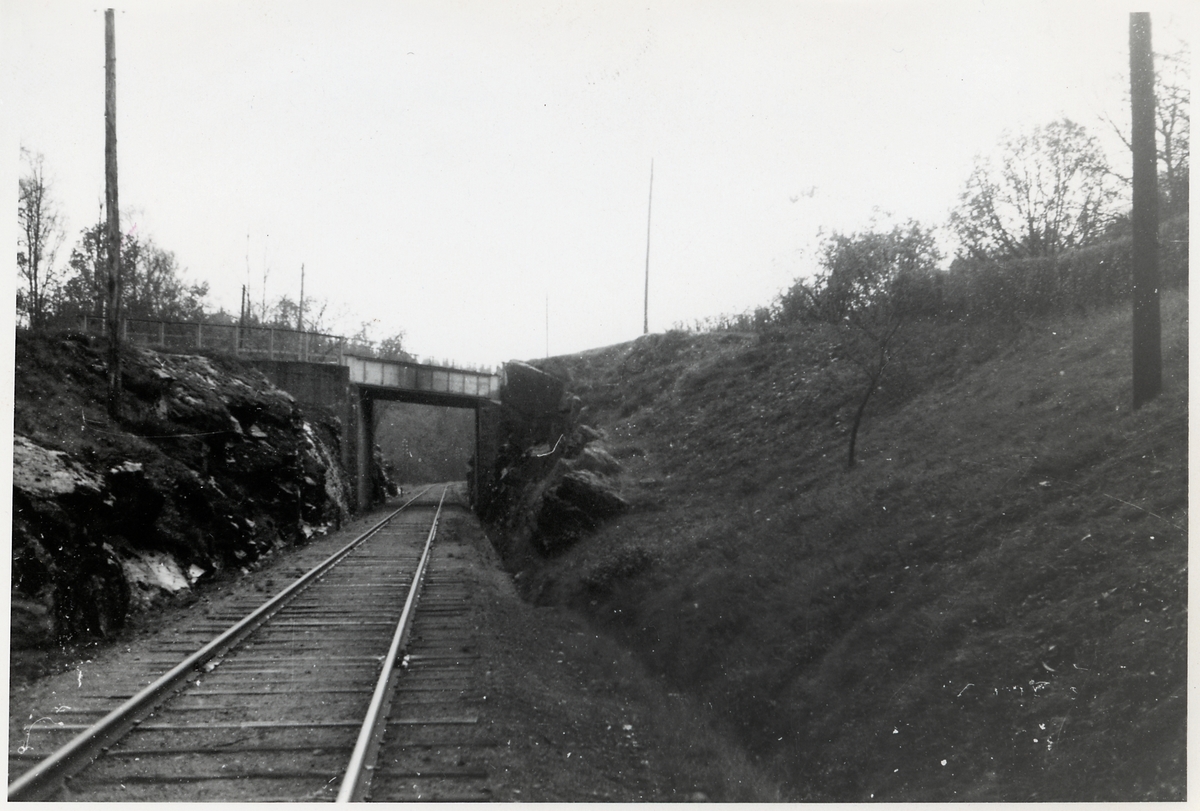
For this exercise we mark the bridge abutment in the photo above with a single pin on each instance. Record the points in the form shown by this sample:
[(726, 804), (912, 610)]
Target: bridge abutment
[(349, 394), (325, 388), (364, 444)]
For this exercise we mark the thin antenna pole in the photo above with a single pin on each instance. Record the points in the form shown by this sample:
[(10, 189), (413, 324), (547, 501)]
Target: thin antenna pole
[(266, 272), (246, 286), (300, 318), (547, 325), (646, 297)]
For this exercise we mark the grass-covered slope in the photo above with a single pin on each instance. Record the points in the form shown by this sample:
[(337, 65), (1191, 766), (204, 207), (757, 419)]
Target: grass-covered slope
[(991, 605)]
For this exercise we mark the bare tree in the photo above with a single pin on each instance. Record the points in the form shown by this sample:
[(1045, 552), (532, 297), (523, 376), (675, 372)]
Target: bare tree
[(1051, 191), (41, 235), (1173, 100), (1173, 128)]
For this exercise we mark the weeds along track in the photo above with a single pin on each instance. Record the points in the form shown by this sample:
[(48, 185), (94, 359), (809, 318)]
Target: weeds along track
[(337, 688)]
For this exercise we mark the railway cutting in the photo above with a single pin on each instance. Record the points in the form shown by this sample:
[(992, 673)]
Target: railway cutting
[(355, 682)]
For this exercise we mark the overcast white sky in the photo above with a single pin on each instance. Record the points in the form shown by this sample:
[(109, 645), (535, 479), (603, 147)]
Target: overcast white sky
[(445, 168)]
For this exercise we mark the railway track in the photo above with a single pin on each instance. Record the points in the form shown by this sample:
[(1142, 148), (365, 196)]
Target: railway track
[(337, 688)]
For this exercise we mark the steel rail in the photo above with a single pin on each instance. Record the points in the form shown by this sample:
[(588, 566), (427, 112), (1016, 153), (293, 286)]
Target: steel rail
[(85, 746), (356, 780)]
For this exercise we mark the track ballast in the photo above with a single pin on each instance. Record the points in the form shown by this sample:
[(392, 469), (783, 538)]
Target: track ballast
[(278, 714)]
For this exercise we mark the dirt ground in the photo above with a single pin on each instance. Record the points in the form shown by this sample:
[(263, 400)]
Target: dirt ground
[(579, 718)]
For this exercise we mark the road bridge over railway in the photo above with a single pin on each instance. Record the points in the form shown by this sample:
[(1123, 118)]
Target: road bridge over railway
[(373, 380), (351, 389), (325, 372), (422, 383)]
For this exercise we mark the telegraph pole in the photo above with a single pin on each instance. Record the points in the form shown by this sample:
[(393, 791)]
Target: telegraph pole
[(247, 303), (114, 217), (646, 297), (300, 318), (242, 320), (1147, 327)]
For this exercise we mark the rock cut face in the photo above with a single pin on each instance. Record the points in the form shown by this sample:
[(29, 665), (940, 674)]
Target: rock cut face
[(209, 469), (557, 480)]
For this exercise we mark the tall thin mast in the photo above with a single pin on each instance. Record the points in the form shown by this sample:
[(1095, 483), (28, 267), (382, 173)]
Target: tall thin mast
[(300, 318), (646, 297)]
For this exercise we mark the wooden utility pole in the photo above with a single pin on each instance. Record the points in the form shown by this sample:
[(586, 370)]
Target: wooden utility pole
[(300, 317), (114, 217), (266, 273), (302, 339), (247, 303), (241, 342), (1147, 327), (646, 296)]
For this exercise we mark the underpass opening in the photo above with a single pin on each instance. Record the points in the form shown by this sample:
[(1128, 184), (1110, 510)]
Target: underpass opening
[(350, 393), (425, 443), (458, 432)]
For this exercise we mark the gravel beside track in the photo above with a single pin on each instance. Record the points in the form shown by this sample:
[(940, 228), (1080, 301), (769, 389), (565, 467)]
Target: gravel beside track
[(496, 700), (275, 717)]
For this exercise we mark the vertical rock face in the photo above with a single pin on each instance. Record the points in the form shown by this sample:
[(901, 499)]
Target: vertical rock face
[(555, 479), (531, 400), (209, 469)]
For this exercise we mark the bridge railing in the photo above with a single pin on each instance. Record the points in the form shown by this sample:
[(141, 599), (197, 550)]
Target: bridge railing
[(273, 343), (400, 374)]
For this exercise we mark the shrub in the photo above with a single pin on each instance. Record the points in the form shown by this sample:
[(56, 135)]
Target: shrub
[(1071, 281)]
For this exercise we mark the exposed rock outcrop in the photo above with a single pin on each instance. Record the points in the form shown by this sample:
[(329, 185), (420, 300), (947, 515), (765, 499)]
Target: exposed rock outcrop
[(209, 468), (556, 480)]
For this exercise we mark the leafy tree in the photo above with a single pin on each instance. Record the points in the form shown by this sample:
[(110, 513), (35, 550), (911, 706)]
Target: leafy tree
[(1051, 191), (153, 287), (285, 313), (85, 292), (393, 347), (152, 283), (39, 238), (869, 286)]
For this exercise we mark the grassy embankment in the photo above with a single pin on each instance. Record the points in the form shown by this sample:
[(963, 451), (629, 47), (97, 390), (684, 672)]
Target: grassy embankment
[(991, 605)]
